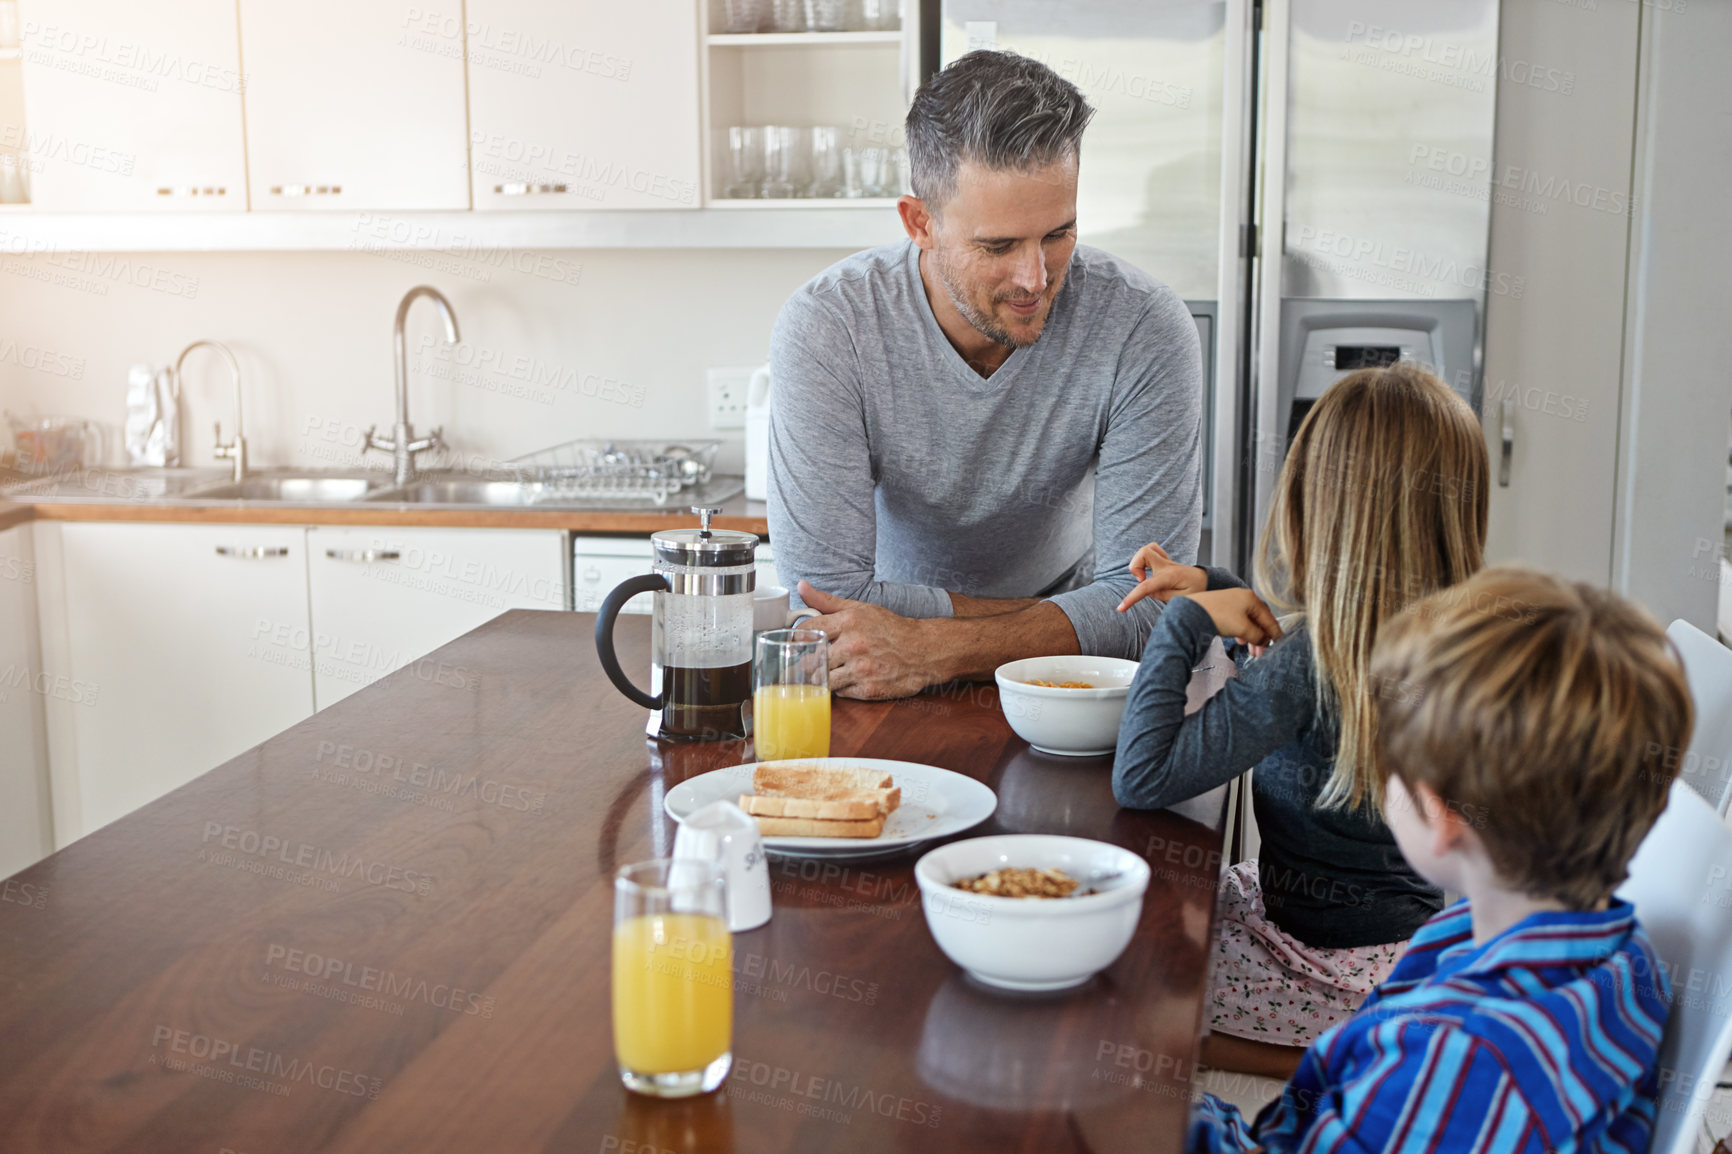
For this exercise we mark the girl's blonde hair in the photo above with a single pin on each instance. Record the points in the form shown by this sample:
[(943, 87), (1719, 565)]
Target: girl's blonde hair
[(1380, 502)]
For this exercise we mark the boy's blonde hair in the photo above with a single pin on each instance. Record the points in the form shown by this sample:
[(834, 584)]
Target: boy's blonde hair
[(1381, 500), (1556, 711)]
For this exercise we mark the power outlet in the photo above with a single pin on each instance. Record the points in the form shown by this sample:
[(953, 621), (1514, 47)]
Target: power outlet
[(728, 397)]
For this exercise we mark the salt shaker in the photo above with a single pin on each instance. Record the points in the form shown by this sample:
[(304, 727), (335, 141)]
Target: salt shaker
[(723, 833)]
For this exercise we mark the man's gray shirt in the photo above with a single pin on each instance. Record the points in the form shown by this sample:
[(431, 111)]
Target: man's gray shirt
[(897, 472)]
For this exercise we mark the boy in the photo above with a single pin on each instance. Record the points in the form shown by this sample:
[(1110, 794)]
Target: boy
[(1515, 713)]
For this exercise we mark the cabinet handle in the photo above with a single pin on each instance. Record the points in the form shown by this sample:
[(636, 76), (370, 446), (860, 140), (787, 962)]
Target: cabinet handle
[(526, 189), (194, 190), (363, 555), (1508, 444), (306, 190), (252, 552)]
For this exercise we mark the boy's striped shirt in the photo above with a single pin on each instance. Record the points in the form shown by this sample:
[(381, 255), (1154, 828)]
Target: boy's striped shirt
[(1543, 1039)]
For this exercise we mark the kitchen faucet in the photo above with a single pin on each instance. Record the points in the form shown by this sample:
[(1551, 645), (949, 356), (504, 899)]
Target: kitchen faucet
[(237, 448), (402, 446)]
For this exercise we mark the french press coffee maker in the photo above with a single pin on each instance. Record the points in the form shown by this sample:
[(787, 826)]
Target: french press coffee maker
[(700, 634)]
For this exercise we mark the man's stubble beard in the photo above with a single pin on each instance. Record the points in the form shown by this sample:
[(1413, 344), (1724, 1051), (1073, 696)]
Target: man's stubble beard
[(983, 324)]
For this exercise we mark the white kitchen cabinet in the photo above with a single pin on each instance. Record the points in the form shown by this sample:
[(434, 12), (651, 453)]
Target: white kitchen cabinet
[(354, 104), (184, 645), (584, 104), (131, 107), (25, 835), (384, 597)]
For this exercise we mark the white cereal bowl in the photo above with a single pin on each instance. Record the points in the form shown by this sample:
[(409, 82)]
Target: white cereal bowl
[(1032, 943), (1073, 722)]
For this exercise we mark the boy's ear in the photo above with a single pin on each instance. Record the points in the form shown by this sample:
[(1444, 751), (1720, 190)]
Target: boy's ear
[(1450, 829)]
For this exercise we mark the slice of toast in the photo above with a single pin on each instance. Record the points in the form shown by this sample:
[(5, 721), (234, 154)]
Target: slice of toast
[(860, 807), (811, 827), (803, 780)]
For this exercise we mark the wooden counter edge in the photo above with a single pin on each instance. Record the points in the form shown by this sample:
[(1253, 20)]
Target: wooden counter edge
[(370, 514), (13, 514)]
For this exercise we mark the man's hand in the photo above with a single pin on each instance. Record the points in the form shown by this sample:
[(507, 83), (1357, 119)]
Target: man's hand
[(874, 653), (1161, 577)]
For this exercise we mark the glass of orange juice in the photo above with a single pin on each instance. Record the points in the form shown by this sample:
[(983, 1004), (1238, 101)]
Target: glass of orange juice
[(791, 694), (673, 978)]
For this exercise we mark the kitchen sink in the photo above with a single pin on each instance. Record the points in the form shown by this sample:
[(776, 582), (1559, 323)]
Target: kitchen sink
[(111, 485), (461, 492), (292, 490)]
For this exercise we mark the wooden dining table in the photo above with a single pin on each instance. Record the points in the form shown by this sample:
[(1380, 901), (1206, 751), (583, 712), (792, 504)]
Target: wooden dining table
[(388, 929)]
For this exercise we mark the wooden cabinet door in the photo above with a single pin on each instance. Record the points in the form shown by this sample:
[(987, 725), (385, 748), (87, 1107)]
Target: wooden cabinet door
[(354, 104), (131, 107), (585, 104)]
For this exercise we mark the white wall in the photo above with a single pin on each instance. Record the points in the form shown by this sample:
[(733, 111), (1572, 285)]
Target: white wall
[(619, 353)]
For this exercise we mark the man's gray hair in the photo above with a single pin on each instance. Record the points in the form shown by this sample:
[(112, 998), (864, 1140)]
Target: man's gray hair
[(993, 108)]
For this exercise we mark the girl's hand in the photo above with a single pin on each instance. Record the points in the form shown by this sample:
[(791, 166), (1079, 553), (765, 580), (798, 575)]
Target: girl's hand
[(1162, 577), (1241, 614)]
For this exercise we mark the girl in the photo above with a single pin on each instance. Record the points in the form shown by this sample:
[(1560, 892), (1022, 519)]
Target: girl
[(1381, 500)]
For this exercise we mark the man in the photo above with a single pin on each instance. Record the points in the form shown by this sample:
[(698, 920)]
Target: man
[(975, 429)]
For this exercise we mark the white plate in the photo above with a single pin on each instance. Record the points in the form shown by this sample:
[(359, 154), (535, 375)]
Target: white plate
[(935, 803)]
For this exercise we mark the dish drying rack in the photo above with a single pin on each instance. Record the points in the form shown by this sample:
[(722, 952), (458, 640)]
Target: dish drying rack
[(647, 472)]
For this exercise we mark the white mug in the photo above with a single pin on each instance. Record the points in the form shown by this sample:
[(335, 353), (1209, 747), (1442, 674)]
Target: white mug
[(770, 609), (723, 833)]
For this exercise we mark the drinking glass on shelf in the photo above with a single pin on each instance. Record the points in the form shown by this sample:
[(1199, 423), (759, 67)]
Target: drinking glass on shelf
[(745, 15), (783, 170), (881, 15), (787, 15), (827, 15), (791, 694), (895, 172), (826, 162), (873, 164), (745, 163), (673, 979)]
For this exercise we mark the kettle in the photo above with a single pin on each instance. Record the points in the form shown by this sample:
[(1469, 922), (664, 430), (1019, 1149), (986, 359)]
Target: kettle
[(700, 631)]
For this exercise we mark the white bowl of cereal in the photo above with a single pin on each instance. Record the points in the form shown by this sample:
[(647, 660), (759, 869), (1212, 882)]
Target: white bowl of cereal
[(1066, 705), (1032, 942)]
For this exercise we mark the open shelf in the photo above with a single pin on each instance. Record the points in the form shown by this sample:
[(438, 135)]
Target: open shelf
[(842, 202), (800, 39)]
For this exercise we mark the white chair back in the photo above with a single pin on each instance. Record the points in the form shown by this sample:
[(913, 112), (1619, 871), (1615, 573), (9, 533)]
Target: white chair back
[(1681, 885), (1707, 765)]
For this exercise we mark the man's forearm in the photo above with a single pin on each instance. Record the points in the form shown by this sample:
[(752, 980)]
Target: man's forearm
[(972, 647), (963, 606)]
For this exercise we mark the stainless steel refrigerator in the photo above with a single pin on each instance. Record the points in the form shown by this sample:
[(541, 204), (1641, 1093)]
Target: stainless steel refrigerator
[(1313, 176)]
